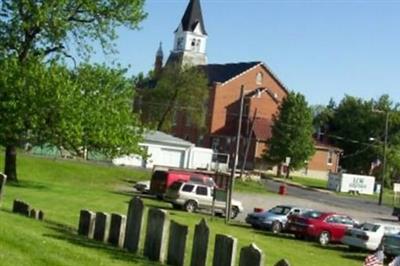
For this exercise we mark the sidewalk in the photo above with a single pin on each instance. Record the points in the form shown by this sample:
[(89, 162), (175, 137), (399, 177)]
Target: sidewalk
[(298, 185)]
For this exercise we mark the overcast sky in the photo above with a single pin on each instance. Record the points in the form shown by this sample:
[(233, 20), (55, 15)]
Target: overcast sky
[(323, 49)]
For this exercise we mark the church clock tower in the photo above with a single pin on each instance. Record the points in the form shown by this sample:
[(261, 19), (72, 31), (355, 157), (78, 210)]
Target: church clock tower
[(190, 38)]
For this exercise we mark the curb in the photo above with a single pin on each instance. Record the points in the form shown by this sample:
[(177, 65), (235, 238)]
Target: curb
[(293, 184)]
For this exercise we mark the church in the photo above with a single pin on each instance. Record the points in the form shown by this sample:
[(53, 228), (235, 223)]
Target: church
[(263, 93)]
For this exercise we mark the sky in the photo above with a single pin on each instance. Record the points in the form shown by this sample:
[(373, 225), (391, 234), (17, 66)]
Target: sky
[(322, 49)]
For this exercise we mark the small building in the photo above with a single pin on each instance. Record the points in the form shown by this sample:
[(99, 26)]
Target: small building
[(166, 150)]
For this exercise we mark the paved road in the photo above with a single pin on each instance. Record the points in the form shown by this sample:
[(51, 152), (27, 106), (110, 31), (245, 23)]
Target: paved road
[(361, 209)]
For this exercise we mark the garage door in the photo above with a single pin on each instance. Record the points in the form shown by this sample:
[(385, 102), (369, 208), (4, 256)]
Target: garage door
[(173, 158)]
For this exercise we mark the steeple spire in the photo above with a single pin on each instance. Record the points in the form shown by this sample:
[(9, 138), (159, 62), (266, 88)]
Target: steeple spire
[(158, 65), (193, 17), (190, 38)]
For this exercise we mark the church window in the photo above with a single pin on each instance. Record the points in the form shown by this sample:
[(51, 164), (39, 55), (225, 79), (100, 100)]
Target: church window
[(198, 42), (193, 44), (259, 78), (179, 43)]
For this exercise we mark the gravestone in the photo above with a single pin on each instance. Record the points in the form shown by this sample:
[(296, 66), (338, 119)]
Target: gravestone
[(117, 230), (134, 222), (3, 179), (21, 207), (251, 255), (177, 244), (200, 244), (86, 223), (154, 246), (101, 226), (41, 215), (224, 250), (282, 262), (34, 214)]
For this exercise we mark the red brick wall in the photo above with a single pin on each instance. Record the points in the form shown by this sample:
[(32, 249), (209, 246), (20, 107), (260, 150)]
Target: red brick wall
[(320, 161)]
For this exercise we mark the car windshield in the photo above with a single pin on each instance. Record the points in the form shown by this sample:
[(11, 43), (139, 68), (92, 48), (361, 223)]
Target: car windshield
[(369, 227), (312, 214), (280, 210)]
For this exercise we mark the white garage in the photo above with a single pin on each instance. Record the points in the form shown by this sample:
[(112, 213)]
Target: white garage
[(162, 149)]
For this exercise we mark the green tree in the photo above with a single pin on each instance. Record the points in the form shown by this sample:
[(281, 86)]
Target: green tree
[(291, 133), (178, 90), (35, 32)]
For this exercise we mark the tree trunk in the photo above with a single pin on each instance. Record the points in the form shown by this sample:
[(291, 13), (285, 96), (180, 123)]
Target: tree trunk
[(10, 164), (287, 172), (279, 171)]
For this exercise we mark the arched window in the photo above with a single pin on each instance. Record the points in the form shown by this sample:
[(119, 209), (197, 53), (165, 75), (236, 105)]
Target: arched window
[(198, 44), (193, 44), (259, 78)]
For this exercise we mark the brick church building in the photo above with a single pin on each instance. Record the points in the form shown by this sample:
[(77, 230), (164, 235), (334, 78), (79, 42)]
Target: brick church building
[(263, 93)]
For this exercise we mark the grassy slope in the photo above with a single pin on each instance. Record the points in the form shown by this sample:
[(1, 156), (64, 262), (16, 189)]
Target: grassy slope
[(62, 188)]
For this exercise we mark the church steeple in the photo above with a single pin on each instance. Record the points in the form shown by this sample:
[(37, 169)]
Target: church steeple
[(190, 38), (193, 18), (158, 65)]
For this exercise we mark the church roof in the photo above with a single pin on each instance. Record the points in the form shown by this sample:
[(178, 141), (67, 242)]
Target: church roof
[(193, 17), (224, 72)]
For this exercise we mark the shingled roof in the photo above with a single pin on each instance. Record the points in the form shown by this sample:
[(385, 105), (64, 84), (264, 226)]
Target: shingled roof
[(193, 17), (224, 72)]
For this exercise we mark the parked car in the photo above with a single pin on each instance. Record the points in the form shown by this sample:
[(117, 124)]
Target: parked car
[(193, 196), (274, 219), (391, 245), (326, 227), (368, 235), (161, 180)]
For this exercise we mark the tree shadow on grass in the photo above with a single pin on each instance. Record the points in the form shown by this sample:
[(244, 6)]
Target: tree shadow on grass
[(27, 184), (69, 234)]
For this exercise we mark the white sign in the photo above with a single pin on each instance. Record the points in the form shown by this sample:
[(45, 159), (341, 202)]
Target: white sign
[(348, 182), (287, 161), (396, 187)]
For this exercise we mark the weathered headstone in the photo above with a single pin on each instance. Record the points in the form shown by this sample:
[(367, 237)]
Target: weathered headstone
[(101, 226), (117, 230), (224, 250), (282, 262), (34, 214), (3, 179), (154, 246), (21, 207), (86, 223), (134, 222), (251, 255), (177, 244), (200, 244), (41, 215)]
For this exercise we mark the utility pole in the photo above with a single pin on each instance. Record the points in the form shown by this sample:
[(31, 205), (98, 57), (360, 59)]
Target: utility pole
[(384, 158), (235, 160)]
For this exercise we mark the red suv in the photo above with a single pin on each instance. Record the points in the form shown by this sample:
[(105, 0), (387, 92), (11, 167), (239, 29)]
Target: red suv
[(326, 227)]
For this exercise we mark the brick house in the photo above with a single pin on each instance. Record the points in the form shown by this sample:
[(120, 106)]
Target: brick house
[(263, 93)]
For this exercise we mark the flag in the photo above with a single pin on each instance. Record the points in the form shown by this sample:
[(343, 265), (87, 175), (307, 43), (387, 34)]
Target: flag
[(375, 259), (374, 165)]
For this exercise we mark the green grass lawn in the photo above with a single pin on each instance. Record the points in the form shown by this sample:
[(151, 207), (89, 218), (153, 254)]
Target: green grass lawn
[(307, 181), (62, 188)]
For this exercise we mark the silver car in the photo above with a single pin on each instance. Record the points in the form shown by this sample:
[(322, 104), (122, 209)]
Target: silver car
[(274, 219)]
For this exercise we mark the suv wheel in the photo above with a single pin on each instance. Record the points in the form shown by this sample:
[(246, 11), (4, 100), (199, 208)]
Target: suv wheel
[(190, 206), (324, 238), (276, 227)]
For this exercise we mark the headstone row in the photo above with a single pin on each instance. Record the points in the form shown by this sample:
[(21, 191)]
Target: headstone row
[(21, 207), (165, 241), (102, 227)]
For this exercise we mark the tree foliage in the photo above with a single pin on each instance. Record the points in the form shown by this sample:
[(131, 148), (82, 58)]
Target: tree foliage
[(34, 35), (292, 132), (177, 91), (358, 127)]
